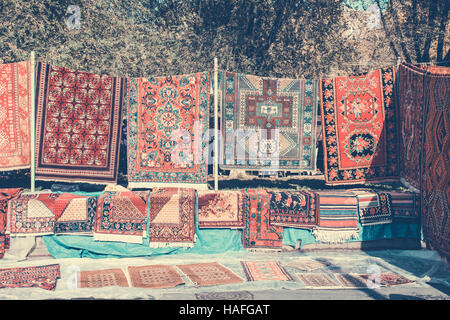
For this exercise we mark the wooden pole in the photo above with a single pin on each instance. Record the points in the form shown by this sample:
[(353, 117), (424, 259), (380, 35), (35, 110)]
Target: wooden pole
[(32, 121), (216, 128)]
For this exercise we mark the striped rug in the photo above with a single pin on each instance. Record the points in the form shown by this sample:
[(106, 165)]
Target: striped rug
[(338, 220)]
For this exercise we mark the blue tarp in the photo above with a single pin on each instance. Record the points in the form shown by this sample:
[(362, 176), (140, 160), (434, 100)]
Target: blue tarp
[(209, 241)]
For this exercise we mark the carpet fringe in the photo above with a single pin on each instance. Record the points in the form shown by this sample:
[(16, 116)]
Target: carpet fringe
[(335, 236)]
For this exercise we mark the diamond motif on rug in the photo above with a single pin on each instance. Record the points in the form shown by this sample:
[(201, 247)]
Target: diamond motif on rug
[(154, 276), (209, 274), (102, 278), (268, 122), (374, 208)]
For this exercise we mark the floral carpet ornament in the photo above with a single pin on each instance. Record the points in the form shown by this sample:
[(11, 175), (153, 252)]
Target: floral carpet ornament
[(167, 130), (44, 277), (15, 111), (78, 118), (209, 274), (220, 209), (265, 270), (374, 208), (121, 216), (359, 119), (268, 122), (258, 232), (172, 217), (154, 276), (297, 209)]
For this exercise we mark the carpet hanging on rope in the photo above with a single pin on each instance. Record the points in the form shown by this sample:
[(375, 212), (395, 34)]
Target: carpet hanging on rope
[(15, 108), (435, 190), (411, 94), (78, 120), (359, 119), (268, 123), (167, 129)]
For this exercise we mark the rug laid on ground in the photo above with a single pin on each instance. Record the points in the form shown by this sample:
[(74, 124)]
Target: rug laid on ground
[(167, 129), (359, 119), (5, 196), (75, 214), (31, 214), (268, 123), (209, 274), (258, 232), (386, 279), (307, 264), (338, 221), (154, 276), (297, 209), (411, 94), (15, 111), (435, 191), (220, 209), (44, 277), (78, 119), (374, 208), (317, 280), (102, 278), (265, 270), (172, 217), (121, 216), (405, 207), (351, 280), (227, 295)]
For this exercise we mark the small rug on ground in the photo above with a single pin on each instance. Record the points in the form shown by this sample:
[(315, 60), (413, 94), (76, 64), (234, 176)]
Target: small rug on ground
[(102, 278), (44, 277), (265, 270), (154, 276), (209, 274)]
